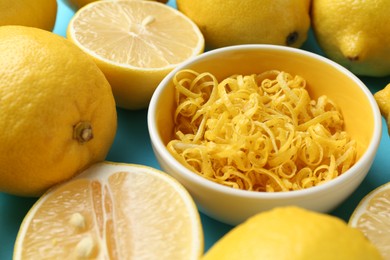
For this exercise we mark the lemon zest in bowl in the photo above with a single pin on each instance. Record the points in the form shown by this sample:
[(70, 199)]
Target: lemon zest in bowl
[(259, 132)]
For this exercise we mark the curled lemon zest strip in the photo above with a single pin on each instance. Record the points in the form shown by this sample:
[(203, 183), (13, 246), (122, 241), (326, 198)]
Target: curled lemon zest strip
[(260, 132)]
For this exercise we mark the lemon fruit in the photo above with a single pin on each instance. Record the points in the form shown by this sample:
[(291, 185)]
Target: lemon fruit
[(293, 233), (372, 217), (382, 98), (35, 13), (356, 34), (135, 43), (113, 211), (230, 22), (58, 113), (77, 4)]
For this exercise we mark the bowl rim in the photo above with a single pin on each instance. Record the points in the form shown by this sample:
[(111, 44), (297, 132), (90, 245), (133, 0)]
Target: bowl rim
[(365, 160)]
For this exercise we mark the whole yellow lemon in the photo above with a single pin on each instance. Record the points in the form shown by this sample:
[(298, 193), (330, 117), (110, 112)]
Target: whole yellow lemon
[(293, 233), (356, 34), (382, 97), (230, 22), (57, 110), (35, 13)]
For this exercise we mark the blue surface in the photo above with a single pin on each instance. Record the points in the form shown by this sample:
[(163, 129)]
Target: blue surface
[(132, 145)]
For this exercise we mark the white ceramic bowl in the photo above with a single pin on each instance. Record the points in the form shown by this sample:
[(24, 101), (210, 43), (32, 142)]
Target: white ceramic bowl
[(232, 206)]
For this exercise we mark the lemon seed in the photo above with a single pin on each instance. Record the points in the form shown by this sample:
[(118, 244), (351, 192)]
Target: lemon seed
[(77, 220), (84, 247), (148, 20)]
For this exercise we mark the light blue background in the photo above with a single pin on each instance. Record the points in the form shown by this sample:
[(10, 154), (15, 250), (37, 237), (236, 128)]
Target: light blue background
[(132, 145)]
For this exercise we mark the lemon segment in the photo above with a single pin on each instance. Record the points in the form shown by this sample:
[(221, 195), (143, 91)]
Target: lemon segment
[(372, 217), (135, 43), (113, 211)]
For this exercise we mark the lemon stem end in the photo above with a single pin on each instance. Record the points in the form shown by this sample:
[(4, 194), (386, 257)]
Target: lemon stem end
[(82, 132)]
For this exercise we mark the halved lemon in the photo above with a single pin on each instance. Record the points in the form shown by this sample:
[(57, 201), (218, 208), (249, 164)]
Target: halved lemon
[(135, 43), (77, 4), (372, 217), (113, 211)]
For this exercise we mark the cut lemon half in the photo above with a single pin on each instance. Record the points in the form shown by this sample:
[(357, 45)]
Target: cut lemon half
[(113, 211), (77, 4), (372, 217), (135, 43)]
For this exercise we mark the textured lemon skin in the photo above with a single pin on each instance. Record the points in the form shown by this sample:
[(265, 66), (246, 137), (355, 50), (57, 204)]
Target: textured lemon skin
[(132, 87), (230, 22), (293, 233), (35, 13), (355, 34), (48, 89)]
